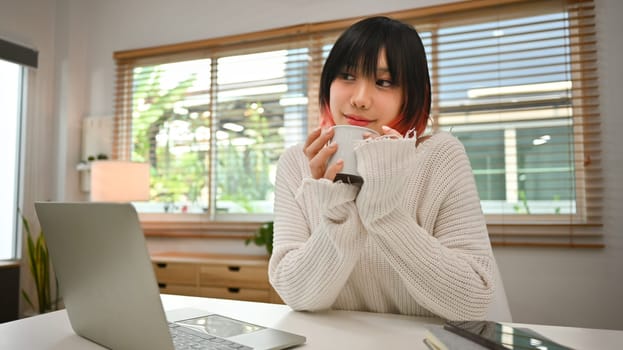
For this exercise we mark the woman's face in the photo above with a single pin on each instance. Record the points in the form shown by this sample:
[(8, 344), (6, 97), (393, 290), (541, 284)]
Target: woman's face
[(371, 102)]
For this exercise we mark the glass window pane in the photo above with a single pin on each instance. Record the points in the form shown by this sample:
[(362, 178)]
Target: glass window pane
[(505, 92), (10, 99), (546, 174), (261, 109), (485, 150), (171, 131)]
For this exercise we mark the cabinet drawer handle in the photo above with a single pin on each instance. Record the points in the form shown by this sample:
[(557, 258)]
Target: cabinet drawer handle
[(233, 268), (161, 265), (233, 290), (162, 285)]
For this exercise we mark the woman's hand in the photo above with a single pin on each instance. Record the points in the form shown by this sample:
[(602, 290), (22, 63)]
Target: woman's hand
[(387, 131), (318, 151)]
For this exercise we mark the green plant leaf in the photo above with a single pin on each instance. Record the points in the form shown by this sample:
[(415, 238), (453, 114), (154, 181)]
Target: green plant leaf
[(27, 298), (40, 269), (263, 237)]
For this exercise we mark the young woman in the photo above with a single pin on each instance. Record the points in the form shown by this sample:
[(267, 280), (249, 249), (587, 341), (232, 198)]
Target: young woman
[(412, 238)]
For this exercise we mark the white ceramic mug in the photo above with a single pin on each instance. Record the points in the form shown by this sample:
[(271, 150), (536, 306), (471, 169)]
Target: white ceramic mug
[(346, 136)]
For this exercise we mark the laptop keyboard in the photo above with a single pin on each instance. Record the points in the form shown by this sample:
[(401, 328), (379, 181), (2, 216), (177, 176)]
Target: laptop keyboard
[(187, 338)]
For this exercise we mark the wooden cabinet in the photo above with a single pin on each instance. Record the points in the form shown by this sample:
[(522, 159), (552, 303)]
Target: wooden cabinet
[(176, 277), (9, 290), (240, 277)]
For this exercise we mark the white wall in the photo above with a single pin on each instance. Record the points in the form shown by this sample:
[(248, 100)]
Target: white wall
[(553, 286), (31, 23)]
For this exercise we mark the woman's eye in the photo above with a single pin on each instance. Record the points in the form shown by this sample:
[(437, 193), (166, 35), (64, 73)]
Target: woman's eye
[(384, 83), (347, 76)]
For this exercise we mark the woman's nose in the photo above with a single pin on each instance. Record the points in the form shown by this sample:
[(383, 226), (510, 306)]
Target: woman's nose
[(362, 98)]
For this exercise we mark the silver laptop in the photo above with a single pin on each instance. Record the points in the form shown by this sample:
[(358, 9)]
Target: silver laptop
[(109, 287)]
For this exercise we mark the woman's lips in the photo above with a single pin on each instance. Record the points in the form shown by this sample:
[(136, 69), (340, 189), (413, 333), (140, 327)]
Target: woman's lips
[(352, 120)]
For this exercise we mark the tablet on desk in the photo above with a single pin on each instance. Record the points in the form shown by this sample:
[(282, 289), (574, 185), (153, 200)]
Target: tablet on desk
[(493, 335)]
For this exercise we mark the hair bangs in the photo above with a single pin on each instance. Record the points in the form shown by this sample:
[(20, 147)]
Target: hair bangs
[(363, 55)]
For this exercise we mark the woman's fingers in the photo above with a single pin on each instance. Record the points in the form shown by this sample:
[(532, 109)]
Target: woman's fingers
[(369, 135), (387, 131), (318, 150), (318, 163), (311, 138), (333, 169), (316, 141), (390, 132)]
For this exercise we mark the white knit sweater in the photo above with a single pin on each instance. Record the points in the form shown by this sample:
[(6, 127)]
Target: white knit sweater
[(412, 240)]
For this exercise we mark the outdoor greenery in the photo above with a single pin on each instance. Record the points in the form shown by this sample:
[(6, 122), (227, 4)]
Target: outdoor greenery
[(175, 133), (523, 208), (156, 117), (243, 174)]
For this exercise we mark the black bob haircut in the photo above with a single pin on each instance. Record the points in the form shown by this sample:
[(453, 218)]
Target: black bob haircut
[(358, 49)]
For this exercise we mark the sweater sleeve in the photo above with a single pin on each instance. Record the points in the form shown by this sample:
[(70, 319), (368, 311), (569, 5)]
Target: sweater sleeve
[(317, 235), (448, 268)]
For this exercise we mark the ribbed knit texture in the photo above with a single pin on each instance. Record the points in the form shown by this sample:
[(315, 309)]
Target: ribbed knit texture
[(412, 240)]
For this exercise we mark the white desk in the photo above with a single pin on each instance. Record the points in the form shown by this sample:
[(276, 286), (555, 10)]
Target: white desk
[(324, 330)]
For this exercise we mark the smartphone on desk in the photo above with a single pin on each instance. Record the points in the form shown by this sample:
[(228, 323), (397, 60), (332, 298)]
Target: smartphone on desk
[(493, 335)]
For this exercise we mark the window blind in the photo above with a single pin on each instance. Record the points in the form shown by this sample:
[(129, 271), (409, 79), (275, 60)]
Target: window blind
[(515, 81), (518, 86)]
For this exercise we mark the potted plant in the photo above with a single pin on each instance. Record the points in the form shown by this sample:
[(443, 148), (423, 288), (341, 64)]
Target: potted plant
[(263, 237), (41, 271)]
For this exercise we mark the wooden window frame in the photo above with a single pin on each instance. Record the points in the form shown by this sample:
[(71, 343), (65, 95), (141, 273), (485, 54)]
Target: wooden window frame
[(581, 231)]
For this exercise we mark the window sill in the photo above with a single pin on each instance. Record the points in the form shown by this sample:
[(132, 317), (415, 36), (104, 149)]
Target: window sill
[(200, 229), (552, 235), (508, 235)]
